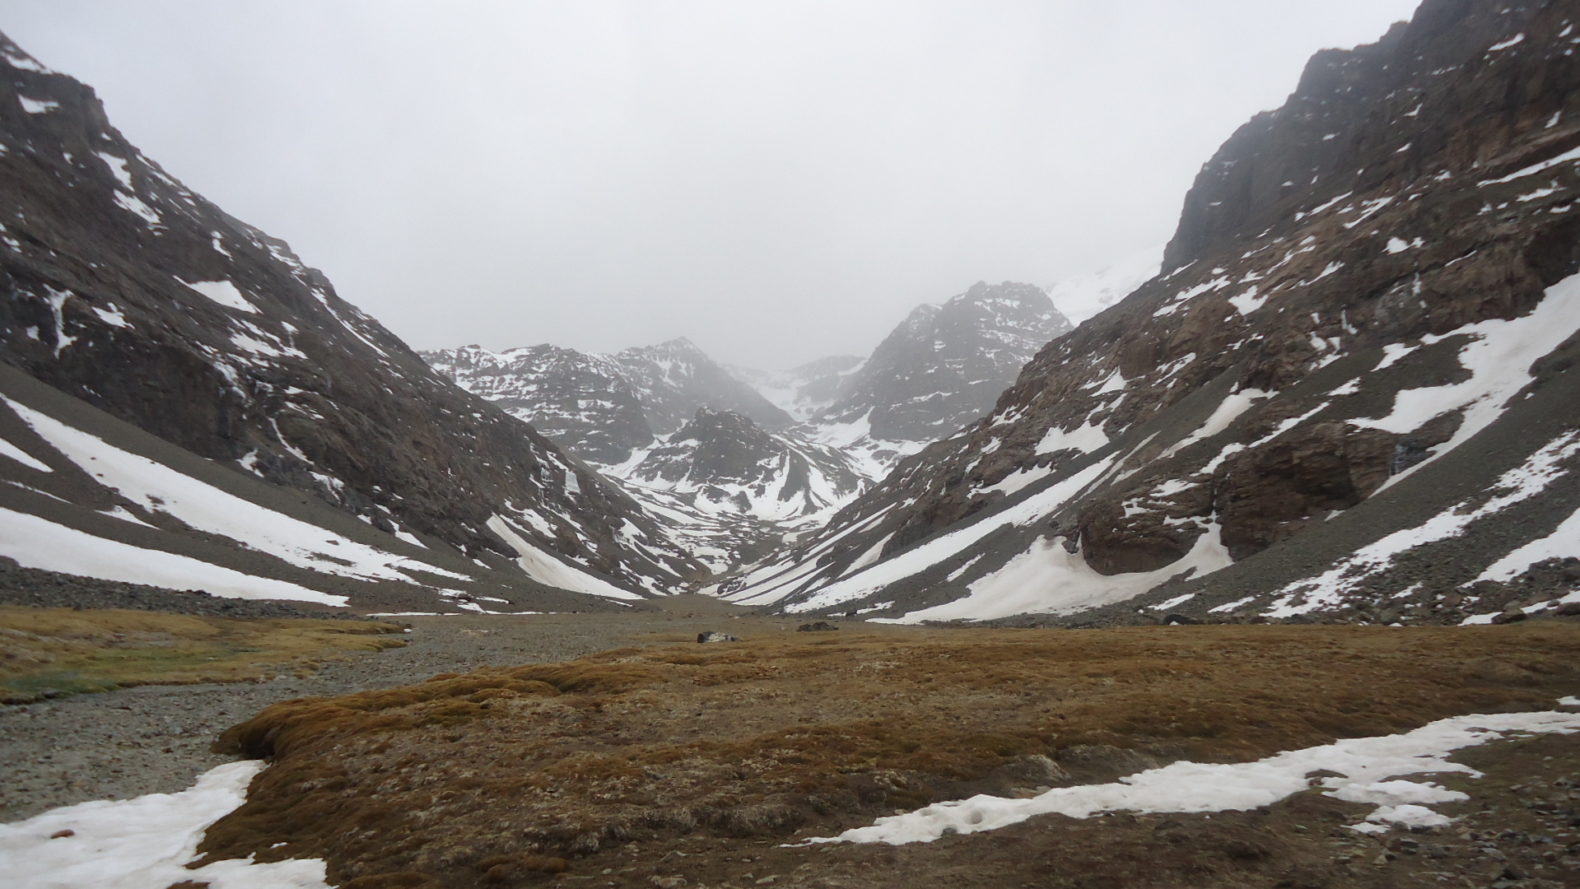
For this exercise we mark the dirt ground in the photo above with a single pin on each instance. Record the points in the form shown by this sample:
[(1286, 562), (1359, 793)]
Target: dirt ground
[(673, 764)]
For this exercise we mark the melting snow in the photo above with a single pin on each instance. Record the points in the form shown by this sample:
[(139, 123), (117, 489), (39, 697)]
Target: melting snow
[(21, 456), (145, 843), (1564, 541), (1569, 156), (1517, 484), (112, 315), (1085, 438), (1363, 766), (925, 555), (1505, 44), (1226, 413), (207, 508)]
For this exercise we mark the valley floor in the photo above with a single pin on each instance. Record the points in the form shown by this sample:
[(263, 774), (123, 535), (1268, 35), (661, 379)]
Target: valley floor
[(655, 762)]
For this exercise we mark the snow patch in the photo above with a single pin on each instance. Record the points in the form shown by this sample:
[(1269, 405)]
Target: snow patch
[(1048, 579), (37, 543), (1362, 766), (145, 842), (223, 292), (37, 106)]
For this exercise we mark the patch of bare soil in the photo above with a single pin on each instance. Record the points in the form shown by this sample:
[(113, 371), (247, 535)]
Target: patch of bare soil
[(685, 763)]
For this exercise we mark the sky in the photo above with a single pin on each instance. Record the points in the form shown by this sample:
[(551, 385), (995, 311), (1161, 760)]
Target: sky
[(777, 181)]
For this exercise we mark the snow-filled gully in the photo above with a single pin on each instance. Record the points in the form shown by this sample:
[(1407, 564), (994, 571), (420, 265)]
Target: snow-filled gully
[(147, 842)]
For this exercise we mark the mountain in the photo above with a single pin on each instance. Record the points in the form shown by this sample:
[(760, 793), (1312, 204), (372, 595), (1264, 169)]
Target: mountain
[(943, 366), (675, 378), (145, 310), (604, 407), (1349, 396), (580, 400)]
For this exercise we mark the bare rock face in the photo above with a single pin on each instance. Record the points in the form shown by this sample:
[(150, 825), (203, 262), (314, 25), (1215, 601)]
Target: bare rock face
[(944, 365), (1311, 373), (1146, 531), (121, 287), (1269, 494)]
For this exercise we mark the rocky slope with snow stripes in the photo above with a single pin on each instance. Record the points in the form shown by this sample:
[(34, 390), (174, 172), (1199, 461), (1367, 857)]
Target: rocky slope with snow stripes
[(1349, 394)]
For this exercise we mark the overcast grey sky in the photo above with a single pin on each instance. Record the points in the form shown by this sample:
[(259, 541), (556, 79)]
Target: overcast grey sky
[(777, 181)]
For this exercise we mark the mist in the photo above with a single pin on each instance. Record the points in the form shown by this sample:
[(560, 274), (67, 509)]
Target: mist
[(776, 182)]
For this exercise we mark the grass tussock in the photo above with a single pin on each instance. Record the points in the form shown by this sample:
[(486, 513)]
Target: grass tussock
[(478, 779), (48, 652)]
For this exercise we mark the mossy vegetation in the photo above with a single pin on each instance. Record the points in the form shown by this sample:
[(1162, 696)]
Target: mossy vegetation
[(487, 776), (49, 652)]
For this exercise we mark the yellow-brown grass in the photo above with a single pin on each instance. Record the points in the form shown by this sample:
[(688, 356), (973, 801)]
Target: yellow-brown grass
[(449, 780), (52, 651)]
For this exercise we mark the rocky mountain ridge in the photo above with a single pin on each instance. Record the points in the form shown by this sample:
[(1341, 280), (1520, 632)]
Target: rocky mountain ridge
[(1352, 382), (738, 477), (604, 407), (126, 292), (944, 365)]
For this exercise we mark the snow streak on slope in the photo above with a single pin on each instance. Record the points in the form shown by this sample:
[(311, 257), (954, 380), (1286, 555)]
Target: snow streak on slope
[(778, 581), (160, 489), (1049, 579), (38, 543), (547, 569)]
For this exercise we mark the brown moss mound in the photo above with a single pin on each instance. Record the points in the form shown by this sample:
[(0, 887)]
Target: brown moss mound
[(500, 777), (49, 652)]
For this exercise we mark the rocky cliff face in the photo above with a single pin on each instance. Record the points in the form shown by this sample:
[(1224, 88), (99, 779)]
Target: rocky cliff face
[(122, 288), (604, 407), (1352, 382), (944, 366)]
